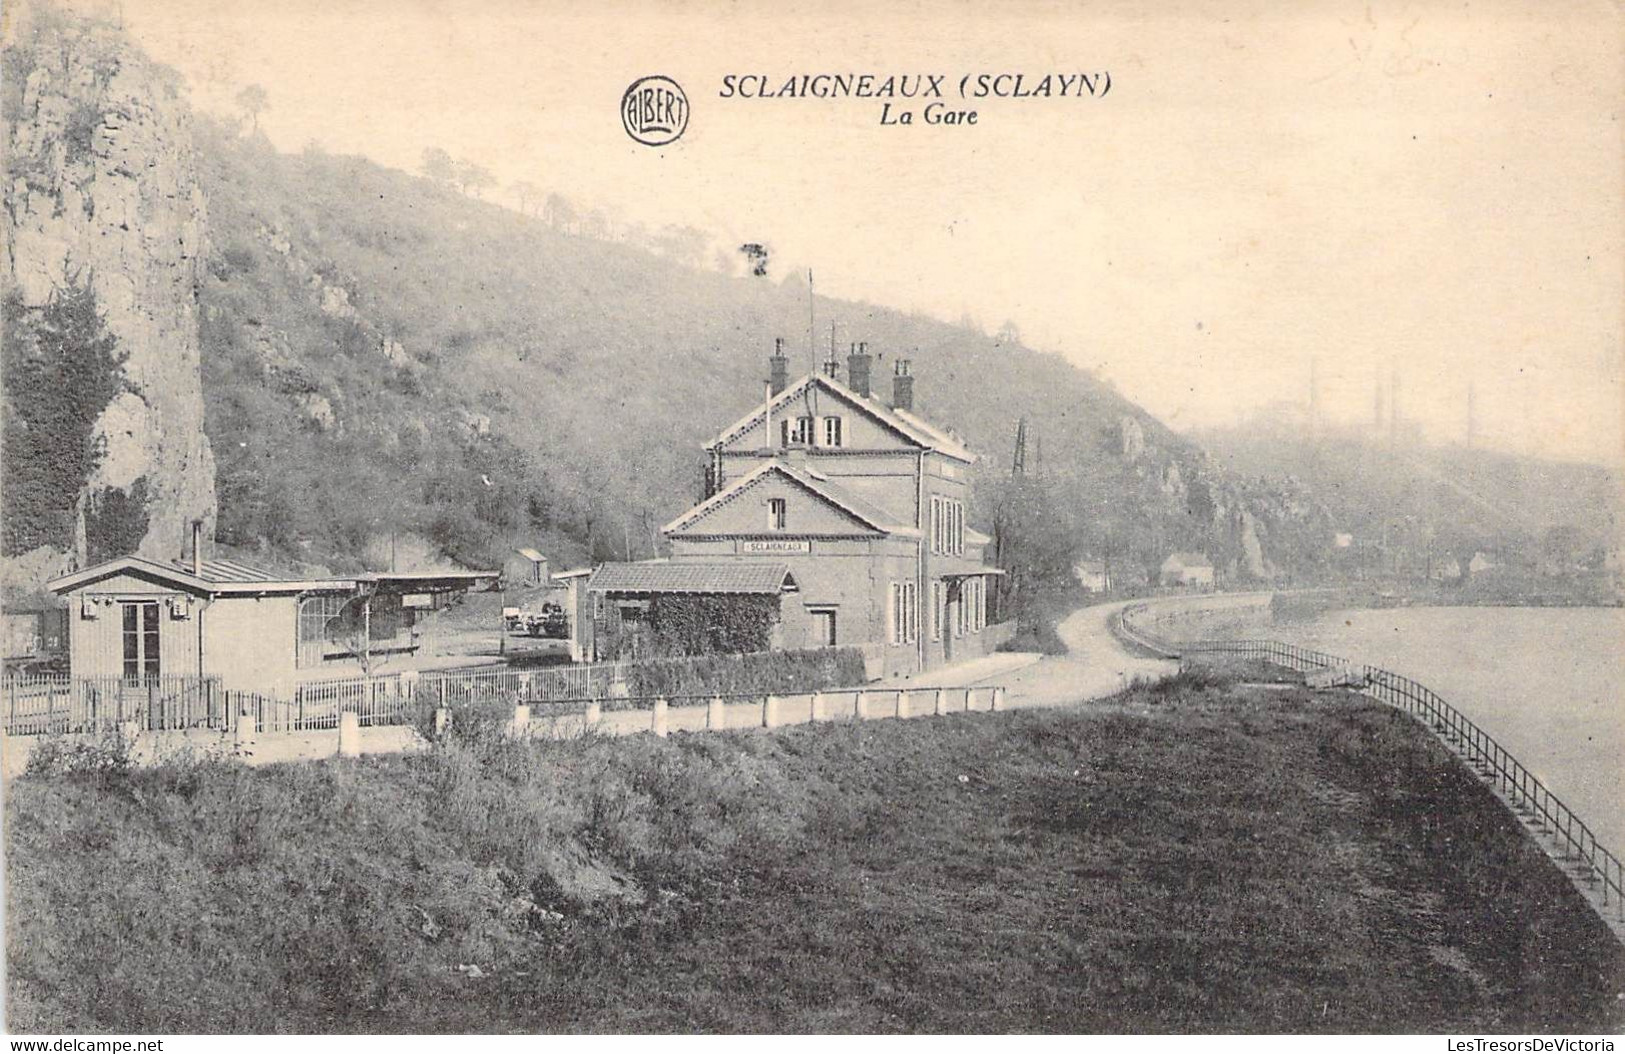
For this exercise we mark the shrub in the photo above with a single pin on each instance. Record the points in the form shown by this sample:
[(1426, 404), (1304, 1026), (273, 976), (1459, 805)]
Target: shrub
[(757, 673), (104, 761)]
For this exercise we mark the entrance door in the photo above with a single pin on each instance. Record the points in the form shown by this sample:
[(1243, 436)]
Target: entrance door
[(141, 658), (824, 627)]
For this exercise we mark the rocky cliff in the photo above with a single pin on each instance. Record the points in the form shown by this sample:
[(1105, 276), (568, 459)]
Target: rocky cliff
[(102, 195)]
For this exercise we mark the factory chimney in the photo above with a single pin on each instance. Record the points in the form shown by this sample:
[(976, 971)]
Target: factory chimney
[(778, 368)]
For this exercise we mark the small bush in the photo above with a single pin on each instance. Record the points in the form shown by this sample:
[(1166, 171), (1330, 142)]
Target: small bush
[(103, 761)]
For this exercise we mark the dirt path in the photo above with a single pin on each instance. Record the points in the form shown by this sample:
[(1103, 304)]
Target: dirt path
[(1096, 664)]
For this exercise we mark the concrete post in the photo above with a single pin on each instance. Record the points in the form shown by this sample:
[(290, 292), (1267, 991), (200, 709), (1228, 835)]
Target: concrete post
[(942, 702), (998, 698), (242, 740), (442, 721), (820, 710), (594, 715), (860, 706), (349, 734), (902, 703), (521, 721), (657, 719), (771, 717), (715, 716)]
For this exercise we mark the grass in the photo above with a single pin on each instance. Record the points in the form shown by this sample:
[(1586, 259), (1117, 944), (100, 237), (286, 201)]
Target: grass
[(1191, 855)]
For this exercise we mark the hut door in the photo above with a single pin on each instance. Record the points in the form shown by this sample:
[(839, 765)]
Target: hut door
[(141, 657)]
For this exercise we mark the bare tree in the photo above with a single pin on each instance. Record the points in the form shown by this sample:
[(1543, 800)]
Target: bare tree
[(528, 195), (473, 178), (254, 101), (438, 166), (559, 213)]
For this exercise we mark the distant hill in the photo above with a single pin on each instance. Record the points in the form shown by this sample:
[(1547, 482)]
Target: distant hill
[(382, 353), (1461, 498)]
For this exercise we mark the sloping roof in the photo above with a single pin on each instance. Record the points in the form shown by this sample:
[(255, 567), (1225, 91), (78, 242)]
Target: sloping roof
[(222, 577), (910, 427), (721, 576), (532, 555), (227, 577), (1192, 560), (819, 485)]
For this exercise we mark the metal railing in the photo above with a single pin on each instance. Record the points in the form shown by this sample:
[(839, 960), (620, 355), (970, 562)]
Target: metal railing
[(1529, 797), (44, 704)]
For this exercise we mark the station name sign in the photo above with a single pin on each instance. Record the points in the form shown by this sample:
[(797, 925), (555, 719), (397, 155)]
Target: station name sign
[(775, 545)]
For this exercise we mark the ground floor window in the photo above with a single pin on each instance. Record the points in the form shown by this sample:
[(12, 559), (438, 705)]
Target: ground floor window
[(141, 650), (939, 608), (904, 612)]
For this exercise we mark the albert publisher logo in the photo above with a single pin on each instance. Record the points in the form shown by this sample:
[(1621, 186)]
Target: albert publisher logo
[(654, 111)]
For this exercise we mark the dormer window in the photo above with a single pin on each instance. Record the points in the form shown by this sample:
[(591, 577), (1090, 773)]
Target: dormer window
[(832, 431), (777, 513), (799, 431)]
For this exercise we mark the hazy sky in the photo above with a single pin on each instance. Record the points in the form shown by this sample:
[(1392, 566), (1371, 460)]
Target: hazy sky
[(1433, 188)]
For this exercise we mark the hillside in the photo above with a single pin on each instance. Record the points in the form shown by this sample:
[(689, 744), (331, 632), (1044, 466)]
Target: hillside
[(369, 334), (1451, 499), (386, 363)]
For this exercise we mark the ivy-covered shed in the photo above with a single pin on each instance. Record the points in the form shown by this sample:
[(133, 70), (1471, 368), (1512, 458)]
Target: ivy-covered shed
[(662, 607)]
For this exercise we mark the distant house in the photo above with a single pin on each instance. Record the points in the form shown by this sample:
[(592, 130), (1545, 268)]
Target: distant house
[(1446, 570), (1187, 570), (138, 620), (1480, 563), (1342, 540), (525, 568), (1092, 576)]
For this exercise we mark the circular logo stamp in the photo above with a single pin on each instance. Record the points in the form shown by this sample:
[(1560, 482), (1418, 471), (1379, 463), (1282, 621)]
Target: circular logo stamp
[(654, 111)]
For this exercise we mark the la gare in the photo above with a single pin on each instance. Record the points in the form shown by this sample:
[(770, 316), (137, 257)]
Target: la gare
[(935, 113)]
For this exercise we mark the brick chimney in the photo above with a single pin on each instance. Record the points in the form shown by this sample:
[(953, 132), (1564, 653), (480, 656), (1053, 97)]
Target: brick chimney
[(778, 368), (857, 369), (902, 386)]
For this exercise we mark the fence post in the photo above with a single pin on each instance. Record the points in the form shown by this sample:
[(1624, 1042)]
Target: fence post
[(715, 716), (442, 721), (242, 739), (349, 734), (902, 703), (521, 721), (998, 698), (771, 717), (860, 705), (657, 718), (818, 709), (942, 702), (594, 715)]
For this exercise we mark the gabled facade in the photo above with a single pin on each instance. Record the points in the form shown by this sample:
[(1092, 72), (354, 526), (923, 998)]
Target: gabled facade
[(864, 503)]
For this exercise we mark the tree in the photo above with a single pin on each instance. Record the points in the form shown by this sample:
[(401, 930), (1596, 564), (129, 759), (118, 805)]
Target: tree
[(755, 258), (474, 178), (254, 101), (62, 369), (438, 166), (527, 195), (1009, 333), (558, 213), (595, 224)]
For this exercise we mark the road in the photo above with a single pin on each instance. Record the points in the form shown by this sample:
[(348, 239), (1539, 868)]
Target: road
[(1096, 664)]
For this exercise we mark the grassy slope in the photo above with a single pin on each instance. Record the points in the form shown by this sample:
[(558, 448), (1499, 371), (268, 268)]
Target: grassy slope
[(603, 365), (1189, 858)]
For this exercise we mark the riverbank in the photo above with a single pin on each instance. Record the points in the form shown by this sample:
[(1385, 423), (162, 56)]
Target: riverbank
[(1192, 856)]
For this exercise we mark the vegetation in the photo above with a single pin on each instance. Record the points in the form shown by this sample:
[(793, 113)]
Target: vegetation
[(1189, 856), (753, 674), (377, 346), (62, 368)]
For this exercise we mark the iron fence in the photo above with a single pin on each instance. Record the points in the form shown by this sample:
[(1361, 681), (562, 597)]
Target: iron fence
[(42, 704), (1529, 797)]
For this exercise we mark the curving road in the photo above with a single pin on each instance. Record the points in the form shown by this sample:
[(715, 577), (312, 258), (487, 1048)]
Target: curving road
[(1096, 664)]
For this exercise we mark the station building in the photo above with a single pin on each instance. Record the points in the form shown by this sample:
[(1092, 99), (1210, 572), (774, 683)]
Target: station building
[(849, 509)]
